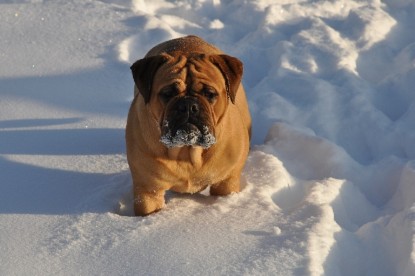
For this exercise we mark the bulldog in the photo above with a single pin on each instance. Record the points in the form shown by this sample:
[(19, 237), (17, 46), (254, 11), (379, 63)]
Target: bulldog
[(188, 126)]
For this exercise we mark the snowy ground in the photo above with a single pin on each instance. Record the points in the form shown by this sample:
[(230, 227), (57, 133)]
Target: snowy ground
[(329, 185)]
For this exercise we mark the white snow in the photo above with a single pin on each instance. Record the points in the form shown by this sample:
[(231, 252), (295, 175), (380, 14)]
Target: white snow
[(329, 185)]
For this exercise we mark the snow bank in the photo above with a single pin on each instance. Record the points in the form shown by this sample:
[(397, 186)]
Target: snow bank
[(328, 187)]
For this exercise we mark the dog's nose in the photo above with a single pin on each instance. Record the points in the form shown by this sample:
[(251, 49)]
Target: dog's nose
[(194, 108), (188, 106)]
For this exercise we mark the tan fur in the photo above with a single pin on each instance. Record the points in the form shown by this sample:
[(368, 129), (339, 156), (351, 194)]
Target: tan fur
[(189, 169)]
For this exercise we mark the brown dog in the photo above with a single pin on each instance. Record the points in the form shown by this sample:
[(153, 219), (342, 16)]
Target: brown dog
[(189, 124)]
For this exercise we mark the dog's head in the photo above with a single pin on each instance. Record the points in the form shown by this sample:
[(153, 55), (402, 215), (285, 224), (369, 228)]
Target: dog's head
[(188, 94)]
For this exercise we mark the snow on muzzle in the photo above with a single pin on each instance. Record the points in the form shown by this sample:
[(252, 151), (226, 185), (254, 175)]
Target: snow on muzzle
[(187, 123)]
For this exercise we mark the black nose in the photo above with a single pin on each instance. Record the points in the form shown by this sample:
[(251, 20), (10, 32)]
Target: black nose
[(188, 106), (194, 108)]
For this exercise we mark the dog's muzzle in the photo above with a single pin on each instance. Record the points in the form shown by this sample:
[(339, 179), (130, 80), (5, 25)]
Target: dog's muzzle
[(187, 125)]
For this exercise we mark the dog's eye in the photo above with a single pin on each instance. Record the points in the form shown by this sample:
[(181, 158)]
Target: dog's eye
[(167, 93), (210, 94)]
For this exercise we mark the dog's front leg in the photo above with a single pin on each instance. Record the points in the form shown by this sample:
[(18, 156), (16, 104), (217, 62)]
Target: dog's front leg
[(226, 187), (147, 202)]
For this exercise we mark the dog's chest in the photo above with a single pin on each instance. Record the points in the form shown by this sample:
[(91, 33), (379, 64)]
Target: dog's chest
[(189, 171), (189, 157), (190, 186)]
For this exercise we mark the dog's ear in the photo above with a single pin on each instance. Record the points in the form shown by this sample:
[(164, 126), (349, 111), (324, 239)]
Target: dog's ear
[(143, 71), (232, 70)]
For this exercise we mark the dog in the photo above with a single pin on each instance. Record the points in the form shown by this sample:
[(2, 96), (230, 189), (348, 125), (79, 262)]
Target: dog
[(189, 125)]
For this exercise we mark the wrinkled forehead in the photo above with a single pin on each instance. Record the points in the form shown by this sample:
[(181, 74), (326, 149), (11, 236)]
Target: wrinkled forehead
[(183, 71)]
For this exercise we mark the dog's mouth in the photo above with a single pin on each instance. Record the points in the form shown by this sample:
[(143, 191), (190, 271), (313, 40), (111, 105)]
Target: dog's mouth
[(187, 134), (186, 123)]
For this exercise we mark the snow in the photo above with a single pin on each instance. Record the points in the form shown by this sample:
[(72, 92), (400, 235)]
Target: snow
[(328, 188)]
